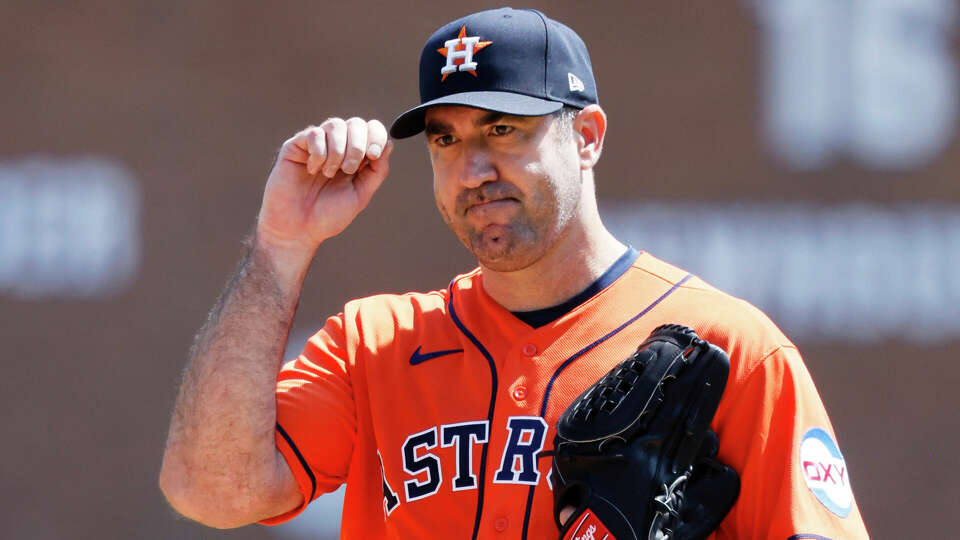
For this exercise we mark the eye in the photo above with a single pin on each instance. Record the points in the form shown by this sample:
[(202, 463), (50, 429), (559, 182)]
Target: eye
[(500, 130), (444, 140)]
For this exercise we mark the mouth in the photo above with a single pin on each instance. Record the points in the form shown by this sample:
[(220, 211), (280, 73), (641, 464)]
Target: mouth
[(490, 205)]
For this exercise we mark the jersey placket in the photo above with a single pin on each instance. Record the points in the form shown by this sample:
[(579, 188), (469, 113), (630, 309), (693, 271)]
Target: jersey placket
[(518, 434)]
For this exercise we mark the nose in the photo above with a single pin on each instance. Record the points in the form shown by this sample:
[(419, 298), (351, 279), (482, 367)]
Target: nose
[(478, 167)]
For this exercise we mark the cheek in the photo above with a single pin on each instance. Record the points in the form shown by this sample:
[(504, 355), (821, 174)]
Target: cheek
[(564, 163), (442, 204), (557, 174), (560, 191)]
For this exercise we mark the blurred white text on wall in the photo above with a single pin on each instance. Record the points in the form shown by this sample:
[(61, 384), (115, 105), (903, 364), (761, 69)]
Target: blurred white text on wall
[(69, 227)]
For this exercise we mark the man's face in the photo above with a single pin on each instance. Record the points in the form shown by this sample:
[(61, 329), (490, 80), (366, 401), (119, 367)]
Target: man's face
[(508, 186)]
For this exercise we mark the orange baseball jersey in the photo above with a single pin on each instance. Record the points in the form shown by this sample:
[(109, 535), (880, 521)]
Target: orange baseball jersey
[(433, 409)]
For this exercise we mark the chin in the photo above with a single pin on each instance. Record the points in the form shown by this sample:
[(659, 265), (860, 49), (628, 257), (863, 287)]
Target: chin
[(507, 258), (503, 266), (505, 249)]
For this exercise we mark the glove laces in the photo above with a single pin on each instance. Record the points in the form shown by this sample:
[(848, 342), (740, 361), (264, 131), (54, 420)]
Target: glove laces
[(668, 505)]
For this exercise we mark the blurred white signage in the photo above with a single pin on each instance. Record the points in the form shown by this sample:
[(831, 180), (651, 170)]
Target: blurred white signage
[(69, 227), (854, 272), (872, 80)]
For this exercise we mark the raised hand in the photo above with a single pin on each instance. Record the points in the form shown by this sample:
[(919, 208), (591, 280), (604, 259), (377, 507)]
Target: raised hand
[(324, 176)]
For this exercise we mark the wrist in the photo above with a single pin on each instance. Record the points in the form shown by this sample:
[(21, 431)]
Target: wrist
[(288, 260)]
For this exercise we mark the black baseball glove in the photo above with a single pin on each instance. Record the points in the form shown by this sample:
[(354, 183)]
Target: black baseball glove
[(634, 454)]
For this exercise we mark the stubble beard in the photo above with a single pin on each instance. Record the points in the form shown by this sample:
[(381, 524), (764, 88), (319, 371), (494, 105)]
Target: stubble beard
[(510, 247), (506, 248)]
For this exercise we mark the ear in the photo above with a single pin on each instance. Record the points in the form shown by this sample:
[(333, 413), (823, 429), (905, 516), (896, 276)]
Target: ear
[(590, 125)]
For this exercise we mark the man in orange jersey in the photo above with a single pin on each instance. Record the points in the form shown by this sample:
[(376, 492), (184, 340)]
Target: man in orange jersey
[(434, 407)]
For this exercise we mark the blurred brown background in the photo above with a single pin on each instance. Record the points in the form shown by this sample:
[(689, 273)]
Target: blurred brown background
[(192, 99)]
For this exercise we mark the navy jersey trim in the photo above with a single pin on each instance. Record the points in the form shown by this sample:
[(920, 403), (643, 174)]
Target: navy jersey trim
[(493, 401), (808, 536), (545, 316), (568, 361), (303, 462)]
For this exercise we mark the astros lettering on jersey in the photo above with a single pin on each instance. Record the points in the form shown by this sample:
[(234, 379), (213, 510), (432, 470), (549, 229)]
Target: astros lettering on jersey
[(433, 408)]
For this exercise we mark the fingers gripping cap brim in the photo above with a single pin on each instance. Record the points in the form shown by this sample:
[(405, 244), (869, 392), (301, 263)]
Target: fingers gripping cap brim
[(411, 122)]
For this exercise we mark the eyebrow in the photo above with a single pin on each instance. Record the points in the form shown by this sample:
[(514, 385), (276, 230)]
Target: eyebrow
[(491, 117), (436, 127)]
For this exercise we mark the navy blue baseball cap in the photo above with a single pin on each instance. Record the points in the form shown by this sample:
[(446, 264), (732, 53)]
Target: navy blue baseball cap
[(515, 61)]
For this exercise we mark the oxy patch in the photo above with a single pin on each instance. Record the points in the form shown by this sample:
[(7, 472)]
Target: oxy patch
[(825, 471)]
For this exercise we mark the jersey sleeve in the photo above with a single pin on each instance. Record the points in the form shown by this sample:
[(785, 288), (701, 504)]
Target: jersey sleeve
[(776, 434), (316, 415)]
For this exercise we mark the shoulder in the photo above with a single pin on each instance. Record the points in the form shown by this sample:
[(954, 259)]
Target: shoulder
[(398, 304), (733, 324), (398, 310), (383, 316)]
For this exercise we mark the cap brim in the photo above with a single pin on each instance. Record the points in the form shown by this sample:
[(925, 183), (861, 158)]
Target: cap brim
[(411, 122)]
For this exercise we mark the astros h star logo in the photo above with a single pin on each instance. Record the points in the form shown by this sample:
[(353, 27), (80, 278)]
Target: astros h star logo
[(459, 53)]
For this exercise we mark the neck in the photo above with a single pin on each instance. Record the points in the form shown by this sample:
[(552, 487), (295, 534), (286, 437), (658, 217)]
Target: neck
[(575, 261)]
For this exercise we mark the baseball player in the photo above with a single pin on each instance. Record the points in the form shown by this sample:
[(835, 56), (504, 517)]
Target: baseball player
[(435, 408)]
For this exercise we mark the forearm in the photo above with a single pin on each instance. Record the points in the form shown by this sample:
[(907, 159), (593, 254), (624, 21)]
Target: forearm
[(221, 465)]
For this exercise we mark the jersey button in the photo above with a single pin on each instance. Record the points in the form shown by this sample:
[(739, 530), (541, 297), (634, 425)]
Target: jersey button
[(520, 392), (501, 524), (529, 349)]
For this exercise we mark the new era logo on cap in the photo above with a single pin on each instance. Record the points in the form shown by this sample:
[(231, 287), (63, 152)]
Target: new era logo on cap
[(518, 60), (576, 85)]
